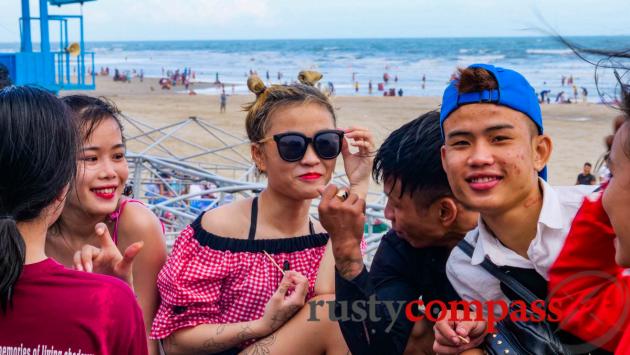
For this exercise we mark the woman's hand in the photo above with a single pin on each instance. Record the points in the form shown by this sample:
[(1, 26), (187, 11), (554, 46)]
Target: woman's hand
[(106, 259), (280, 307), (358, 166)]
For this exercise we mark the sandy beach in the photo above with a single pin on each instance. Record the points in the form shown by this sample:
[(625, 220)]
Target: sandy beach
[(577, 130)]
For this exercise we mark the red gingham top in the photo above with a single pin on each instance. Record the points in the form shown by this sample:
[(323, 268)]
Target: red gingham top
[(219, 280)]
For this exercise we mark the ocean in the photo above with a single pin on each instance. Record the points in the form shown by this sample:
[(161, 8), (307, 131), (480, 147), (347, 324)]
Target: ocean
[(543, 61)]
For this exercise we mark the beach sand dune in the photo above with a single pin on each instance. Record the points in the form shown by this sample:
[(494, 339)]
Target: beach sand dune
[(577, 130)]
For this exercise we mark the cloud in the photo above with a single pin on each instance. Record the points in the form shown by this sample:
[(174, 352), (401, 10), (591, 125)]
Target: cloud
[(184, 12)]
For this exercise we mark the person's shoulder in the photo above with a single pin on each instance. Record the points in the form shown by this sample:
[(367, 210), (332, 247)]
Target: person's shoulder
[(391, 243), (573, 196), (229, 220), (458, 256), (95, 284), (139, 223)]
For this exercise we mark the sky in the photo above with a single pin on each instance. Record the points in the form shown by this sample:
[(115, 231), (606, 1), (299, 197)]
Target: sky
[(128, 20)]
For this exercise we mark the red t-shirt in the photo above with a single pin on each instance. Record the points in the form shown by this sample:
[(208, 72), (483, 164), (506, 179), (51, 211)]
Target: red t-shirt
[(70, 312)]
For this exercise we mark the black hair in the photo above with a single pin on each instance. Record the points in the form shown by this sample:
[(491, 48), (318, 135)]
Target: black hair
[(588, 164), (38, 160), (411, 156), (5, 79), (90, 111)]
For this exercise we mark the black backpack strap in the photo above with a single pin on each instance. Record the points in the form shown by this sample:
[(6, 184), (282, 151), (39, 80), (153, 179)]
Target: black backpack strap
[(513, 284)]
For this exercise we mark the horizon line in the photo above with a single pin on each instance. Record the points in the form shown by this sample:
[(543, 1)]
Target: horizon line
[(338, 38)]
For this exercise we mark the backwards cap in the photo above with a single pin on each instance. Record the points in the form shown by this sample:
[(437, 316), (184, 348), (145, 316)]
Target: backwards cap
[(512, 91)]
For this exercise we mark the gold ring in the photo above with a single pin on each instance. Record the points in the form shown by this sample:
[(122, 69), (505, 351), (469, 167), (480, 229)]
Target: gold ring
[(342, 195)]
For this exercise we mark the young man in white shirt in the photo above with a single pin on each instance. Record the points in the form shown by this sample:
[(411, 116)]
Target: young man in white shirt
[(495, 154)]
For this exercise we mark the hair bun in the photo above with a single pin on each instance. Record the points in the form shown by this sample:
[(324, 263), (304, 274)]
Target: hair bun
[(256, 85), (309, 77)]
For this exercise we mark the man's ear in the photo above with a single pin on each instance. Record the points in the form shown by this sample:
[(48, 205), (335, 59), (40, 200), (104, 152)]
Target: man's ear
[(447, 211), (443, 156), (542, 146), (257, 155)]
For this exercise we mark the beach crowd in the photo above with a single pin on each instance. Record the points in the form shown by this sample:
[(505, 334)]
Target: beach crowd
[(484, 255)]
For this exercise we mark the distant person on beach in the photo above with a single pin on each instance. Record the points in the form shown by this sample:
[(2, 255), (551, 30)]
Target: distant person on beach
[(239, 276), (584, 94), (131, 233), (544, 96), (585, 177), (410, 263), (560, 97), (575, 93), (45, 306), (424, 80), (331, 88), (400, 92), (356, 86), (563, 80), (223, 101), (370, 87), (385, 78)]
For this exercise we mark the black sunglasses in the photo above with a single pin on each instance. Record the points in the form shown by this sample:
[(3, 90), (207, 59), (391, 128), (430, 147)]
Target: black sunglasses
[(292, 145)]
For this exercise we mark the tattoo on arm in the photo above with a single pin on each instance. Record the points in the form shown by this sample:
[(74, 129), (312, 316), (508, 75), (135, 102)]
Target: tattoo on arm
[(213, 344), (350, 268), (261, 347)]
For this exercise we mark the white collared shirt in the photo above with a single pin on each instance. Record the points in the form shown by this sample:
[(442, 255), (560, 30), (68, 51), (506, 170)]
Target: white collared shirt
[(472, 282)]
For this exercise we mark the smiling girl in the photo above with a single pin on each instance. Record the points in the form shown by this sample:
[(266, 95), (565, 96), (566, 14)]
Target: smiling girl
[(97, 197)]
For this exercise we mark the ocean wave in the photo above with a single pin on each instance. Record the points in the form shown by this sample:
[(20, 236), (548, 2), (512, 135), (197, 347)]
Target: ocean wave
[(489, 58), (549, 51)]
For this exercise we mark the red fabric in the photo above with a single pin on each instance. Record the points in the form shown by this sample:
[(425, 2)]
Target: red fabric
[(624, 344), (590, 290), (200, 285), (72, 312)]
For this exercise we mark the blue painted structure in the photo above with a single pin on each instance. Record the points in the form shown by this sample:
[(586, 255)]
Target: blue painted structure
[(48, 69)]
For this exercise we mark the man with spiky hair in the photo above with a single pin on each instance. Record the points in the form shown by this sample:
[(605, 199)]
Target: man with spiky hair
[(427, 222)]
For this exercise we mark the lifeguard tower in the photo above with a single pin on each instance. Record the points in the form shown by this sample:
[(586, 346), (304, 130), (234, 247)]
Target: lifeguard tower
[(66, 67)]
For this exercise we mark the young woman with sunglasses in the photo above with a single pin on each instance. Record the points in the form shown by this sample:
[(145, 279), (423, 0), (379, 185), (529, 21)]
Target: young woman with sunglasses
[(222, 288)]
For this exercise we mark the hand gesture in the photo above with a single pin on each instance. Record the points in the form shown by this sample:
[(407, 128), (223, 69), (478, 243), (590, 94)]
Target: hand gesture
[(106, 259), (454, 335), (358, 166), (280, 308), (344, 221)]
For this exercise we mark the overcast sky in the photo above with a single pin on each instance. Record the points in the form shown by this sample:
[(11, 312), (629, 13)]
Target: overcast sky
[(124, 20)]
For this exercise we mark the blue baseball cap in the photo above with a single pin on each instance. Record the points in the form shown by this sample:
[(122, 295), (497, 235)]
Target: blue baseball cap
[(513, 91)]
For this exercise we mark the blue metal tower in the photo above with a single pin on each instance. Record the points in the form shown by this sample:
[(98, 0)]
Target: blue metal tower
[(51, 69)]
